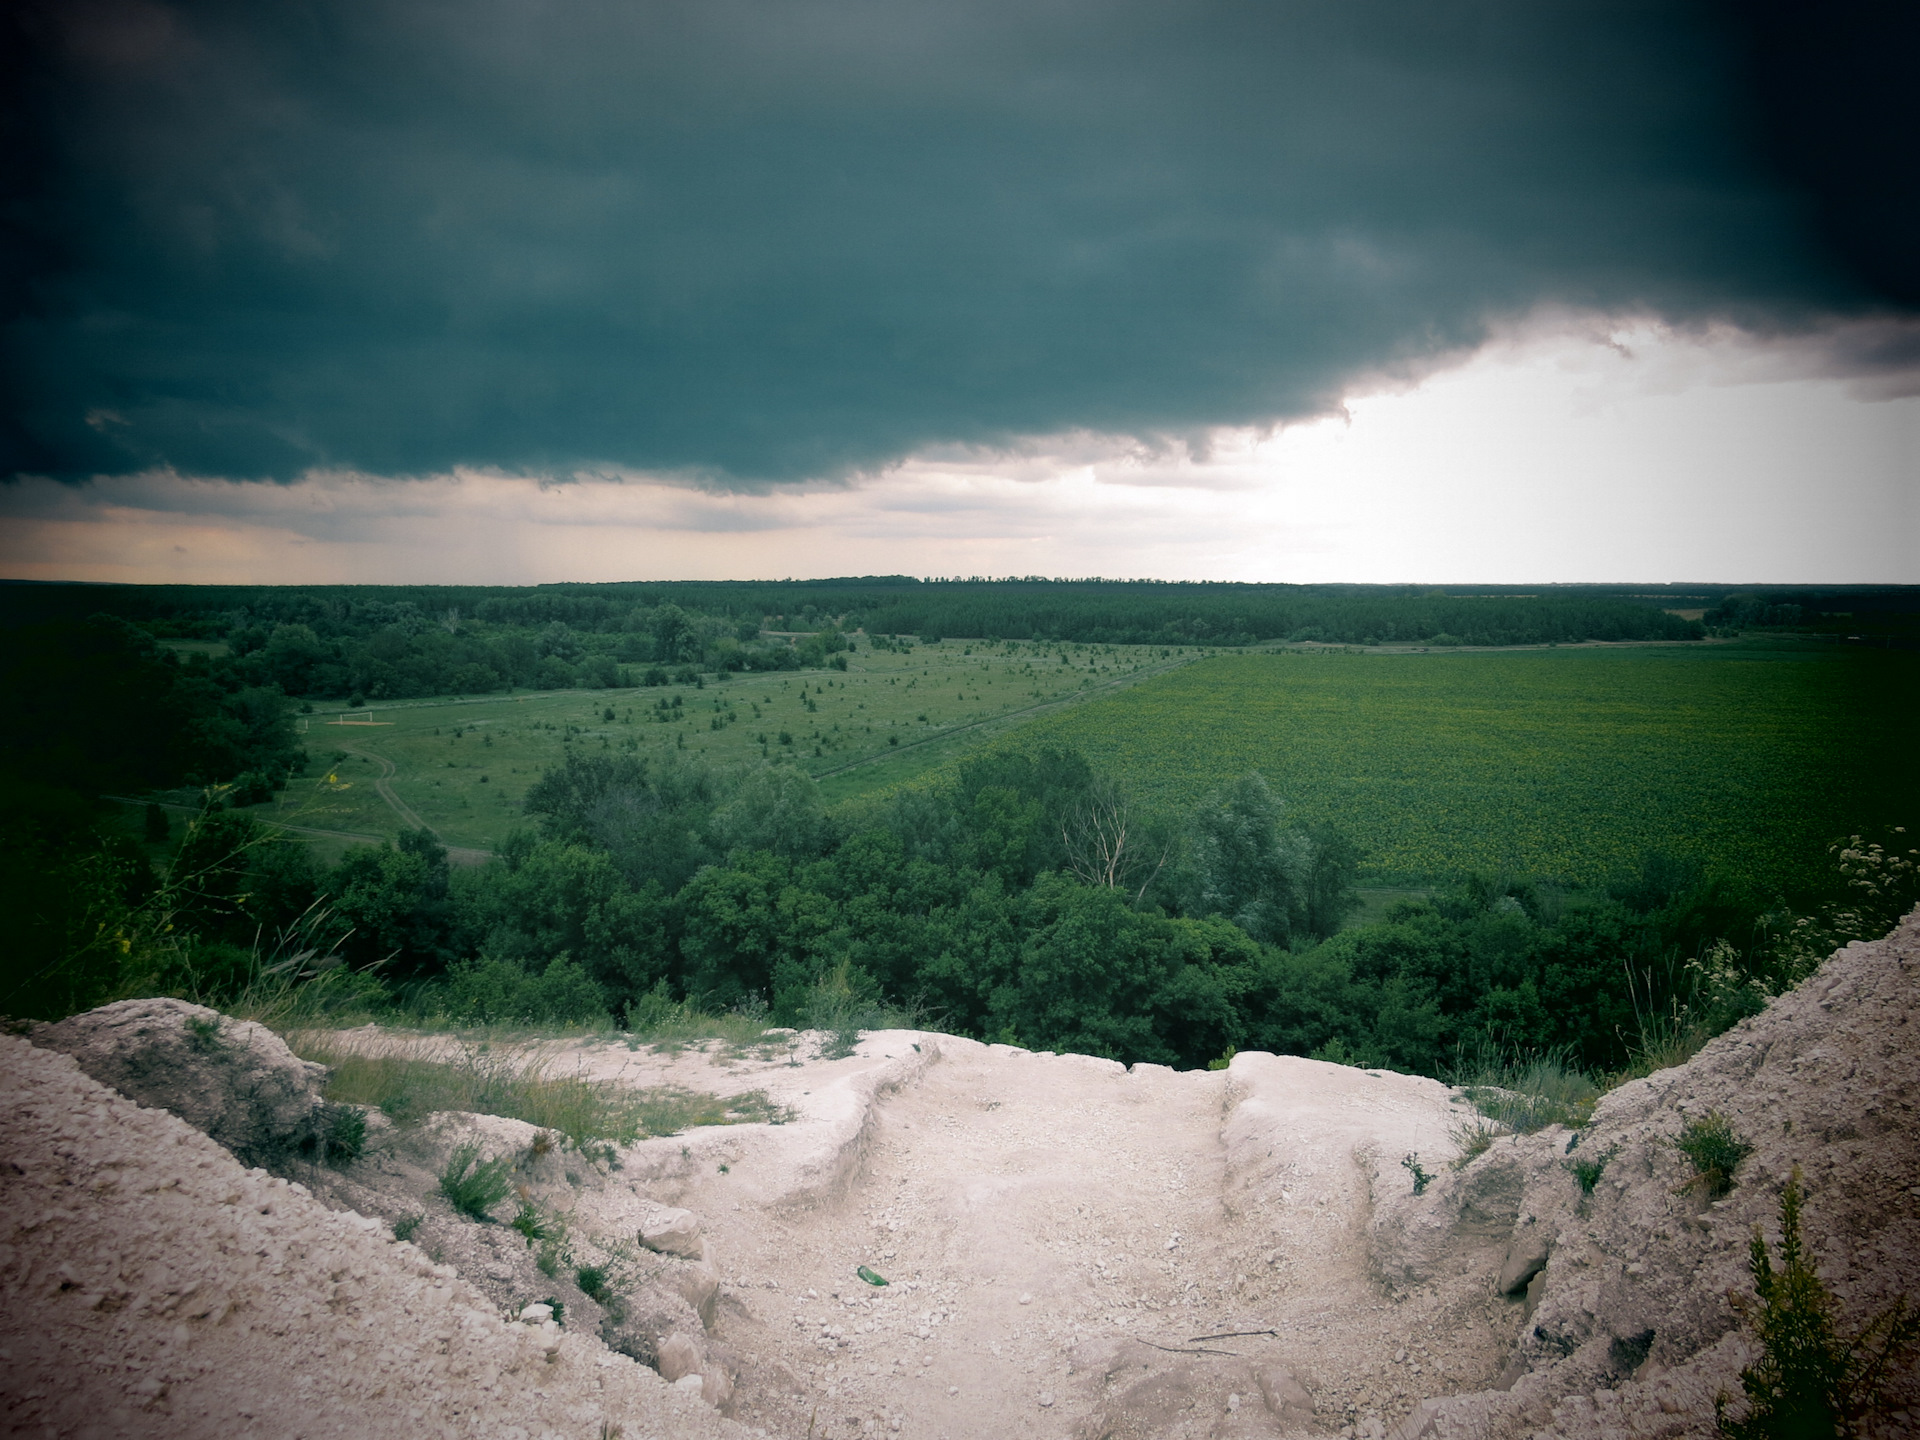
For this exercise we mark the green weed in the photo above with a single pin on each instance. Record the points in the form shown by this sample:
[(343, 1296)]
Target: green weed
[(404, 1228), (343, 1134), (669, 1110), (1588, 1169), (1811, 1379), (592, 1280), (1421, 1179), (1664, 1041), (1714, 1150), (657, 1019), (203, 1034), (474, 1186), (531, 1224), (592, 1115), (1528, 1093), (842, 1008)]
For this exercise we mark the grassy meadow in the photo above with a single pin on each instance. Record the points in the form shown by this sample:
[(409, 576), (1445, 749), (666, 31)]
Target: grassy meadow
[(463, 766), (1571, 763)]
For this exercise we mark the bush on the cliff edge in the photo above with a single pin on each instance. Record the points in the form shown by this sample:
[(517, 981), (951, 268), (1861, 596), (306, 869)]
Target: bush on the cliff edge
[(1811, 1379)]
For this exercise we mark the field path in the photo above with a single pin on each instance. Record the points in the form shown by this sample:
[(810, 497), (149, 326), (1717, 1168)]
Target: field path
[(1061, 1235), (456, 854), (1024, 712)]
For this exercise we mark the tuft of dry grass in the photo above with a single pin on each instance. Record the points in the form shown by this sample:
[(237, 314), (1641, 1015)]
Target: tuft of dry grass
[(1665, 1041), (1473, 1138), (1528, 1093), (591, 1114)]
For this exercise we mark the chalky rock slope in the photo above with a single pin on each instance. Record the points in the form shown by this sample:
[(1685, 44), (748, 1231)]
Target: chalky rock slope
[(1076, 1250), (156, 1287), (1628, 1328), (234, 1079)]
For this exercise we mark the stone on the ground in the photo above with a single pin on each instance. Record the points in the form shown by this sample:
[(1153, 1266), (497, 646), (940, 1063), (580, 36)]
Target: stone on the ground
[(1526, 1258), (693, 1363), (681, 1355), (697, 1284), (672, 1232), (1287, 1399)]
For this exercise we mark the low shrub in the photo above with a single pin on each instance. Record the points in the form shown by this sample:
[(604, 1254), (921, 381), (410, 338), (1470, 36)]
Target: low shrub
[(493, 991), (474, 1186), (1811, 1379), (1714, 1151), (1588, 1169), (1421, 1179)]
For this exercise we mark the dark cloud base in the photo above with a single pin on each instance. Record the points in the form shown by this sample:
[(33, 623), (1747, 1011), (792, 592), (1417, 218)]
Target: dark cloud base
[(752, 242)]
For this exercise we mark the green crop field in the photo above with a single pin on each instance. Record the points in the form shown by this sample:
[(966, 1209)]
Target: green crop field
[(1571, 763), (462, 767)]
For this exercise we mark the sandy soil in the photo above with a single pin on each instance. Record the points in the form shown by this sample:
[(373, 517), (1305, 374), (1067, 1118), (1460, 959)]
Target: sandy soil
[(1033, 1212), (1074, 1249), (1056, 1229), (154, 1288)]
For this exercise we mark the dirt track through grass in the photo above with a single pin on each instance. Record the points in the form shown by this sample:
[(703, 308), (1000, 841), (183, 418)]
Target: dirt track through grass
[(462, 767)]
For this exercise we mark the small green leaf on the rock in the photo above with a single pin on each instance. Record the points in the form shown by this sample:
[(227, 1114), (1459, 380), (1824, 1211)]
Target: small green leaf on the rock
[(867, 1275)]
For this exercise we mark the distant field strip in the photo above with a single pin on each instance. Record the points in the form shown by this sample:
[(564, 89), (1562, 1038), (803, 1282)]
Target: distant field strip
[(1571, 763), (462, 767)]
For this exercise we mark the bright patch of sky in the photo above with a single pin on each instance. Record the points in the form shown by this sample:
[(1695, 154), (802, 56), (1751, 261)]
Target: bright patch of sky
[(1563, 451)]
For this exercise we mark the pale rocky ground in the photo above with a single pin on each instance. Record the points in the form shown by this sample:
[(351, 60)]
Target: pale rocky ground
[(1060, 1234)]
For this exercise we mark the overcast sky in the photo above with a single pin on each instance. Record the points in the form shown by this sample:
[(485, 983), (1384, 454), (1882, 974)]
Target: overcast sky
[(505, 291)]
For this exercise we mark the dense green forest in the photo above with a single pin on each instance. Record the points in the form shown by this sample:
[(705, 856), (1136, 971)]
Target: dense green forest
[(1023, 896), (397, 642), (999, 904), (390, 643)]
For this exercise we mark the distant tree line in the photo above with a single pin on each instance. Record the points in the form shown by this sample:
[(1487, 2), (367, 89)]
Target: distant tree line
[(96, 704), (1077, 611), (1024, 900), (382, 643)]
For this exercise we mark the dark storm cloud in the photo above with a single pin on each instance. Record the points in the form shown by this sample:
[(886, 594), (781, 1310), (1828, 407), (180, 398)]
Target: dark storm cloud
[(755, 240)]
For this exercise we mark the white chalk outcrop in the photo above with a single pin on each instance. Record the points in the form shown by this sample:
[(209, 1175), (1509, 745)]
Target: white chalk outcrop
[(157, 1288), (1073, 1248), (233, 1079), (1628, 1328)]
